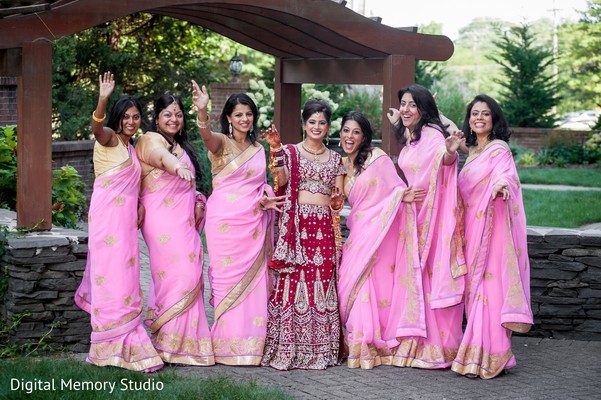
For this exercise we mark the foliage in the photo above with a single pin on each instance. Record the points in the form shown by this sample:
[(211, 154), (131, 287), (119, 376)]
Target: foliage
[(589, 177), (9, 349), (68, 197), (263, 96), (149, 54), (563, 155), (562, 209), (528, 95), (580, 60), (8, 166), (366, 101), (169, 382)]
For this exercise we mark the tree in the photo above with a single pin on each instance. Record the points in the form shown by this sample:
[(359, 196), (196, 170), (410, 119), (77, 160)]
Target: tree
[(528, 94), (149, 54), (580, 60)]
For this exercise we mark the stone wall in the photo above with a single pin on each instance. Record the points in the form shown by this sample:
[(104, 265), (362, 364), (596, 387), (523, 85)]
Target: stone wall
[(565, 282), (44, 271)]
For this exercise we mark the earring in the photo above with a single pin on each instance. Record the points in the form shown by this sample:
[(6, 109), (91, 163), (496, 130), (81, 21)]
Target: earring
[(327, 140), (230, 128)]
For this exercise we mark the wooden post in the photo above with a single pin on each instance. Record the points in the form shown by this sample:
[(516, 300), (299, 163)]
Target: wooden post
[(287, 107), (399, 71), (34, 136)]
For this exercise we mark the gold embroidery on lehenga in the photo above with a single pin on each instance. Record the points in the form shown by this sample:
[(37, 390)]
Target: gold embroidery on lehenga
[(331, 296), (110, 240), (119, 200), (301, 299), (319, 296), (286, 289), (317, 257), (168, 201), (100, 280), (164, 238), (223, 228)]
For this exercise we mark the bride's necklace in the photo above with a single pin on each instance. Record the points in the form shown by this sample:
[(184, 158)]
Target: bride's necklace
[(316, 154)]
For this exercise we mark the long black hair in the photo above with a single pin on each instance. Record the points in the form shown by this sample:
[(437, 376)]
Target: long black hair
[(119, 109), (365, 145), (500, 126), (180, 137), (228, 109), (429, 114)]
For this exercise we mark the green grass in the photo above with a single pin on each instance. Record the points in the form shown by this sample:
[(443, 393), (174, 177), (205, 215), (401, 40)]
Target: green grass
[(564, 209), (590, 177), (165, 384)]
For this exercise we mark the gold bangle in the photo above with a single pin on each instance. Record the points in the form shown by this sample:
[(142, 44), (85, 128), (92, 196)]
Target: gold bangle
[(201, 124), (336, 211), (95, 118)]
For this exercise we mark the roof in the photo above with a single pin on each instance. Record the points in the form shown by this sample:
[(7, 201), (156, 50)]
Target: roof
[(288, 29)]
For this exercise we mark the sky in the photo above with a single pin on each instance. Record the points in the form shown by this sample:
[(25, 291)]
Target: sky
[(456, 14)]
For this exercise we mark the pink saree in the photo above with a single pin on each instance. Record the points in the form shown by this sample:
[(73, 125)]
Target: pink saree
[(441, 255), (239, 239), (380, 287), (176, 314), (496, 251), (110, 290)]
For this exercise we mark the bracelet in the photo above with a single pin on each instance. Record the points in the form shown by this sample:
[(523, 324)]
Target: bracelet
[(200, 205), (179, 166), (336, 211), (203, 124), (95, 118)]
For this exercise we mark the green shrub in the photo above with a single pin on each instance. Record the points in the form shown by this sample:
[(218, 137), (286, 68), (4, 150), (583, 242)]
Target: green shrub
[(68, 197), (527, 159), (68, 191), (8, 167)]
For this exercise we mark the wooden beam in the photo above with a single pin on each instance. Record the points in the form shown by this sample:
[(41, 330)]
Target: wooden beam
[(337, 71), (34, 136), (287, 107)]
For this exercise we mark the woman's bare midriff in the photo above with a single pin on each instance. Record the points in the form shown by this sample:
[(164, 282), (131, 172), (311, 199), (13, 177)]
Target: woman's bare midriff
[(306, 197)]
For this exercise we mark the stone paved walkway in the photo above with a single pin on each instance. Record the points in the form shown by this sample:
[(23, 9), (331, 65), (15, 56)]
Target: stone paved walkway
[(547, 369)]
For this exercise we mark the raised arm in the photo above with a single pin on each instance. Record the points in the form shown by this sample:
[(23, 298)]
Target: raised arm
[(103, 134), (200, 98)]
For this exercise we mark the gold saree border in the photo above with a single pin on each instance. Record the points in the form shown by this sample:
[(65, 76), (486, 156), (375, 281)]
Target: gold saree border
[(116, 361), (238, 161), (241, 290), (172, 358), (239, 360), (178, 308)]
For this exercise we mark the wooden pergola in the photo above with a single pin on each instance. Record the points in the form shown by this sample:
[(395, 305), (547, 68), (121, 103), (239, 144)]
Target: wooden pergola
[(313, 41)]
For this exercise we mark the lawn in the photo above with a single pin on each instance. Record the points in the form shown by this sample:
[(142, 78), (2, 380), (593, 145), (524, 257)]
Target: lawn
[(590, 177), (67, 378), (565, 209)]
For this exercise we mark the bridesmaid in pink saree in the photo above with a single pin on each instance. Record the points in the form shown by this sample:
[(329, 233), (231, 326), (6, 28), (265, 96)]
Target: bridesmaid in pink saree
[(239, 229), (110, 290), (176, 314), (429, 161), (498, 278), (380, 286)]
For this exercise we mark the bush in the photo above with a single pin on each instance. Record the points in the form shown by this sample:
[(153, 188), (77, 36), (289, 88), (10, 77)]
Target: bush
[(68, 197), (562, 155), (68, 191)]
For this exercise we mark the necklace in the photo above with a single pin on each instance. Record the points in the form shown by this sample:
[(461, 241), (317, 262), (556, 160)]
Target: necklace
[(479, 149), (317, 153)]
